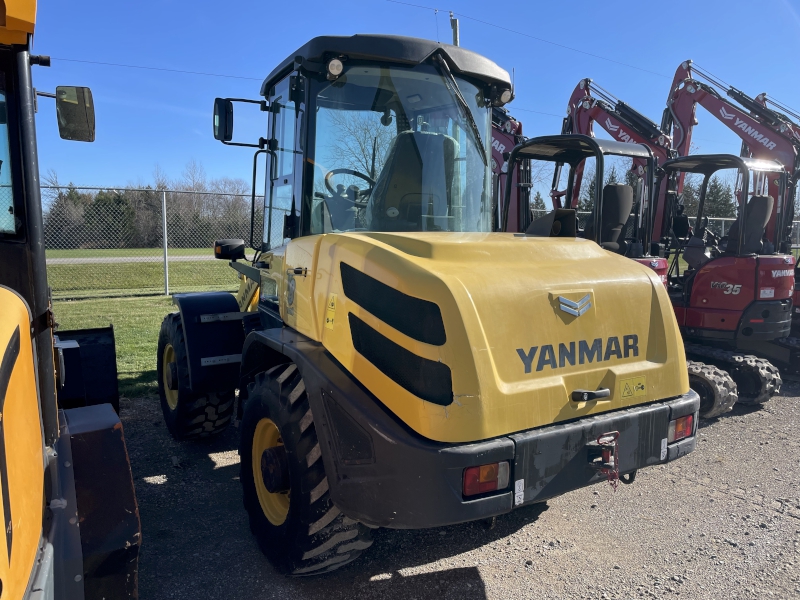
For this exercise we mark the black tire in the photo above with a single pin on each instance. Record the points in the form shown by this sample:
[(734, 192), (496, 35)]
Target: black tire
[(315, 536), (188, 415), (717, 390)]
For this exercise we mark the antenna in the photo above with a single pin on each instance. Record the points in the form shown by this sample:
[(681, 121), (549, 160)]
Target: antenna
[(454, 26)]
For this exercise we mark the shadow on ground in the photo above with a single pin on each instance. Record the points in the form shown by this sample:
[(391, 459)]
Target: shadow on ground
[(197, 543)]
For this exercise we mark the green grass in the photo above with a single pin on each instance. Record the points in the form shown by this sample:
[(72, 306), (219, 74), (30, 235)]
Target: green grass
[(128, 252), (136, 324), (116, 279)]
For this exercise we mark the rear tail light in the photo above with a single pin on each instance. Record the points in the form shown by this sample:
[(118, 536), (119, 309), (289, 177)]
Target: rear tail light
[(680, 428), (485, 478)]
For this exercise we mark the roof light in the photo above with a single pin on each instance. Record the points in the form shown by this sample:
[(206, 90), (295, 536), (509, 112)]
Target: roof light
[(501, 96), (335, 68)]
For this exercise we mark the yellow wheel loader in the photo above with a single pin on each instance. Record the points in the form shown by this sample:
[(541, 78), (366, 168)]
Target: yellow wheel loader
[(398, 364), (70, 518)]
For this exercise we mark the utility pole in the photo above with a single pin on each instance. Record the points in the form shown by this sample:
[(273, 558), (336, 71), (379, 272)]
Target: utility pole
[(454, 26)]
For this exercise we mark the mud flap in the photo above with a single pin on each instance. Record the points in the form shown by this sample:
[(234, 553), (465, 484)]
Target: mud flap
[(212, 327), (87, 368), (108, 514)]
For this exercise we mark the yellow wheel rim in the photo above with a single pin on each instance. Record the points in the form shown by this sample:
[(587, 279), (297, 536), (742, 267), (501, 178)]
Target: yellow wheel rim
[(167, 359), (274, 506)]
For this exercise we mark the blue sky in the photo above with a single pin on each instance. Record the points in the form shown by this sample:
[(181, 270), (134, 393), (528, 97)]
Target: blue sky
[(147, 118)]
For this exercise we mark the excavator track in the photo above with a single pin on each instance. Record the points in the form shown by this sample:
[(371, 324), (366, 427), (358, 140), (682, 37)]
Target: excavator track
[(716, 388), (757, 379)]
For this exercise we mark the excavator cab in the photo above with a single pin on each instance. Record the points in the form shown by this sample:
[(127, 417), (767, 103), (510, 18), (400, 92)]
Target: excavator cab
[(610, 222), (696, 243), (731, 290)]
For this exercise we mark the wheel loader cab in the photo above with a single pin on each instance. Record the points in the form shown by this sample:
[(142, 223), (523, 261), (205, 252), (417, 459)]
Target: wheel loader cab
[(389, 372)]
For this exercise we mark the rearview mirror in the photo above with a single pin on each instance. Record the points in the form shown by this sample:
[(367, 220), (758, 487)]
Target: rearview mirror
[(223, 119), (75, 112)]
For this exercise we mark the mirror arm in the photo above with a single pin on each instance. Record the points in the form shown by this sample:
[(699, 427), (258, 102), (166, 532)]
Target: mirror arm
[(261, 144)]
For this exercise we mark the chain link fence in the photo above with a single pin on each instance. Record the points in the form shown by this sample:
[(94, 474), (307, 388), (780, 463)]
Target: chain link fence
[(107, 242)]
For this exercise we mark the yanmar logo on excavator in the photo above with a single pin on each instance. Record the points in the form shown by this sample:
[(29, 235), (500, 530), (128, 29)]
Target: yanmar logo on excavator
[(621, 134), (748, 129), (587, 352), (782, 273)]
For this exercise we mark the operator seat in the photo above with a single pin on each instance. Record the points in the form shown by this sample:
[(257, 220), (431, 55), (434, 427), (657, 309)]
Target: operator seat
[(617, 205), (759, 210), (416, 184)]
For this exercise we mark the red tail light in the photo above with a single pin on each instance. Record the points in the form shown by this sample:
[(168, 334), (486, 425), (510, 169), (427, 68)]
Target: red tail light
[(485, 478), (680, 428)]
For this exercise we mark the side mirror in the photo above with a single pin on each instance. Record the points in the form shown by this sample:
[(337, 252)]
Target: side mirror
[(75, 112), (223, 119), (229, 249)]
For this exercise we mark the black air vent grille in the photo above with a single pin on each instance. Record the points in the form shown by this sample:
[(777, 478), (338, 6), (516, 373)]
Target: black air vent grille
[(418, 319), (426, 379)]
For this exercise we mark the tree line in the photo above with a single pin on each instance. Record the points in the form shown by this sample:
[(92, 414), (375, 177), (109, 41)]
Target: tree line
[(199, 210)]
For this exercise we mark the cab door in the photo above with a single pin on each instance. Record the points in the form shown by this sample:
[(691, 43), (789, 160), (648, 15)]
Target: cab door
[(291, 264)]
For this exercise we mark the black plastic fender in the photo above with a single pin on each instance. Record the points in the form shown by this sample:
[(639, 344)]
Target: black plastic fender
[(212, 327)]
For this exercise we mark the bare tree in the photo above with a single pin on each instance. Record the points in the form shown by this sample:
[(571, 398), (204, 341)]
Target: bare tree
[(359, 137)]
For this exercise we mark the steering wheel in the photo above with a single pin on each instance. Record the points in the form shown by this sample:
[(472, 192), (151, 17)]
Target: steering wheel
[(333, 172)]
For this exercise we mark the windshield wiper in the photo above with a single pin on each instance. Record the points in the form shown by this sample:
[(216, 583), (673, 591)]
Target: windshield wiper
[(462, 104)]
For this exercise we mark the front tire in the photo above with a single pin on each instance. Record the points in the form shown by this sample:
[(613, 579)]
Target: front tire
[(297, 525), (187, 415)]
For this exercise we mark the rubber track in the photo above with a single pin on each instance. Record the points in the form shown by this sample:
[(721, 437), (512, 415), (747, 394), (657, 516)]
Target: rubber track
[(741, 367), (718, 381)]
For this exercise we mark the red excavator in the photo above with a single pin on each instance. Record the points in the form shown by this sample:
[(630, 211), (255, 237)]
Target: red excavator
[(766, 133), (507, 133), (718, 341), (763, 132)]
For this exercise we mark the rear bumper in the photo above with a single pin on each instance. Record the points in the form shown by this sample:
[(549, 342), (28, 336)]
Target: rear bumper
[(383, 474), (765, 321)]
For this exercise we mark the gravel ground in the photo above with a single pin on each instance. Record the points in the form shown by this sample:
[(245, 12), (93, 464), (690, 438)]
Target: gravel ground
[(723, 522)]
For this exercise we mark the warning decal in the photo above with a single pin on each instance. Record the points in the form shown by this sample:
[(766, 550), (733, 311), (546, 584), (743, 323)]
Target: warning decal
[(330, 311), (635, 386)]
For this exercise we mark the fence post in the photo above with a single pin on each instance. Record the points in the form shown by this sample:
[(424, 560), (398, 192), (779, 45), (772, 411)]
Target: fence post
[(164, 237)]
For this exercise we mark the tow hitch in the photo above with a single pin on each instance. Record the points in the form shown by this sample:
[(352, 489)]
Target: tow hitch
[(603, 456)]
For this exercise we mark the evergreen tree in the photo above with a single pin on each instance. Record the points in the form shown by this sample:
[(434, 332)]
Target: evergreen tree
[(586, 199), (719, 200), (612, 176), (691, 197), (538, 202), (631, 178)]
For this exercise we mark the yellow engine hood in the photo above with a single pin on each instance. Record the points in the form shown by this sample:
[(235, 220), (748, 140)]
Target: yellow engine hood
[(515, 348)]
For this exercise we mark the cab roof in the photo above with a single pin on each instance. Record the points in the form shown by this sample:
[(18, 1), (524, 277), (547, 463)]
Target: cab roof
[(708, 163), (574, 148), (389, 48)]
